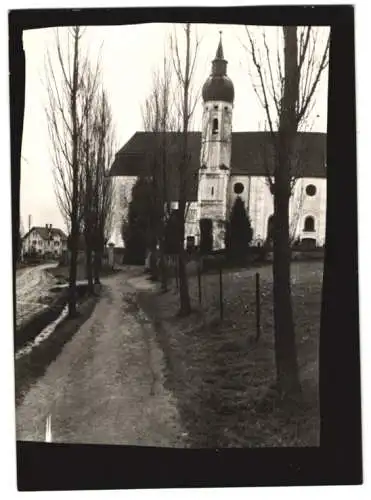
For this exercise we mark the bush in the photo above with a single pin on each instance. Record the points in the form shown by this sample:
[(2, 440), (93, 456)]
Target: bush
[(172, 235), (132, 258), (239, 232), (206, 235), (136, 231)]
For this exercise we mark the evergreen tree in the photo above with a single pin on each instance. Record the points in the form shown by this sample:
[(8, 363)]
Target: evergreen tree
[(206, 233), (172, 229), (239, 232), (136, 230)]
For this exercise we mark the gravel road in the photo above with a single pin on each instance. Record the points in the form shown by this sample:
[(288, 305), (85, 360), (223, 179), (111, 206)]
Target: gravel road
[(106, 386)]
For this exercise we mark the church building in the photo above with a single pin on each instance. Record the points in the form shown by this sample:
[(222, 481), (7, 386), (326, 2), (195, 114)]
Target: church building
[(226, 165)]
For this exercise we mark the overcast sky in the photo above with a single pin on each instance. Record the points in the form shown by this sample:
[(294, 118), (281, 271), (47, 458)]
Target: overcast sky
[(128, 57)]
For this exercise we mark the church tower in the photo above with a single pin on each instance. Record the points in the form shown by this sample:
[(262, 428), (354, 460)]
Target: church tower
[(216, 148)]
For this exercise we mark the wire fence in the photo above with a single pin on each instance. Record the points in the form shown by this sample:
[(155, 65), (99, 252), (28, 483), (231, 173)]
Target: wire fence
[(224, 293)]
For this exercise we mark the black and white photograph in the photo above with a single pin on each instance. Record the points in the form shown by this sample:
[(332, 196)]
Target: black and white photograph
[(171, 233)]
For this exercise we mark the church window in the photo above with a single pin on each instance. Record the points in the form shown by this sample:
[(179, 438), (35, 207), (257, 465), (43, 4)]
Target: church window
[(238, 188), (215, 107), (212, 191), (309, 224), (215, 126), (311, 190), (226, 108)]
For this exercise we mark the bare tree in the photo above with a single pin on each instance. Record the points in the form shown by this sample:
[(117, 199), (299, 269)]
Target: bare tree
[(187, 99), (88, 159), (103, 184), (65, 114), (285, 83), (160, 119)]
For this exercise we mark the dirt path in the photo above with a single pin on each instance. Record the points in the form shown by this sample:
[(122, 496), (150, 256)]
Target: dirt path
[(106, 386)]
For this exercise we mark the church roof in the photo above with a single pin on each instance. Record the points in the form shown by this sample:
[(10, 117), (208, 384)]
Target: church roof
[(251, 152), (136, 158)]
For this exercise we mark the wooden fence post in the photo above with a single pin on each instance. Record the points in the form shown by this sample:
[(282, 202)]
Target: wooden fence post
[(257, 299), (221, 292), (199, 283), (177, 271)]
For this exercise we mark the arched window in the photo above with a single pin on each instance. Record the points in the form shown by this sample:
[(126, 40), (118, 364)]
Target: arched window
[(215, 126), (212, 191), (309, 224)]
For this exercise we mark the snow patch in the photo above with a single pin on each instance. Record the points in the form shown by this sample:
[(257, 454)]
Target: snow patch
[(44, 334)]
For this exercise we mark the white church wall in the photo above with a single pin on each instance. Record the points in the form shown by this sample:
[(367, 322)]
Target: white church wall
[(255, 199), (259, 203), (192, 224), (305, 205), (246, 183), (260, 207)]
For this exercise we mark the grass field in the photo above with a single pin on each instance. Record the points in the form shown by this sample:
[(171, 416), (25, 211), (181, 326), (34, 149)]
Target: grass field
[(218, 372)]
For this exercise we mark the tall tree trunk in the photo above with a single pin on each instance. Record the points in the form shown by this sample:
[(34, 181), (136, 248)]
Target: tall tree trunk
[(89, 265), (97, 266), (98, 255), (285, 347), (164, 209), (163, 266), (185, 303), (74, 209)]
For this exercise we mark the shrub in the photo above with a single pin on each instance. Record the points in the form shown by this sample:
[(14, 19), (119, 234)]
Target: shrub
[(206, 236), (239, 232), (143, 215)]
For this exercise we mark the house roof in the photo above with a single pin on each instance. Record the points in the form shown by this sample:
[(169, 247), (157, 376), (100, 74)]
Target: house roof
[(252, 152), (45, 231)]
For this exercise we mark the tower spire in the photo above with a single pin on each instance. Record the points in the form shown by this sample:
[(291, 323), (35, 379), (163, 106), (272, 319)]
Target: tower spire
[(219, 67), (219, 52)]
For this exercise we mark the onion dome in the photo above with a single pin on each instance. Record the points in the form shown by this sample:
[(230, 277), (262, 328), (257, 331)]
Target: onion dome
[(218, 87)]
